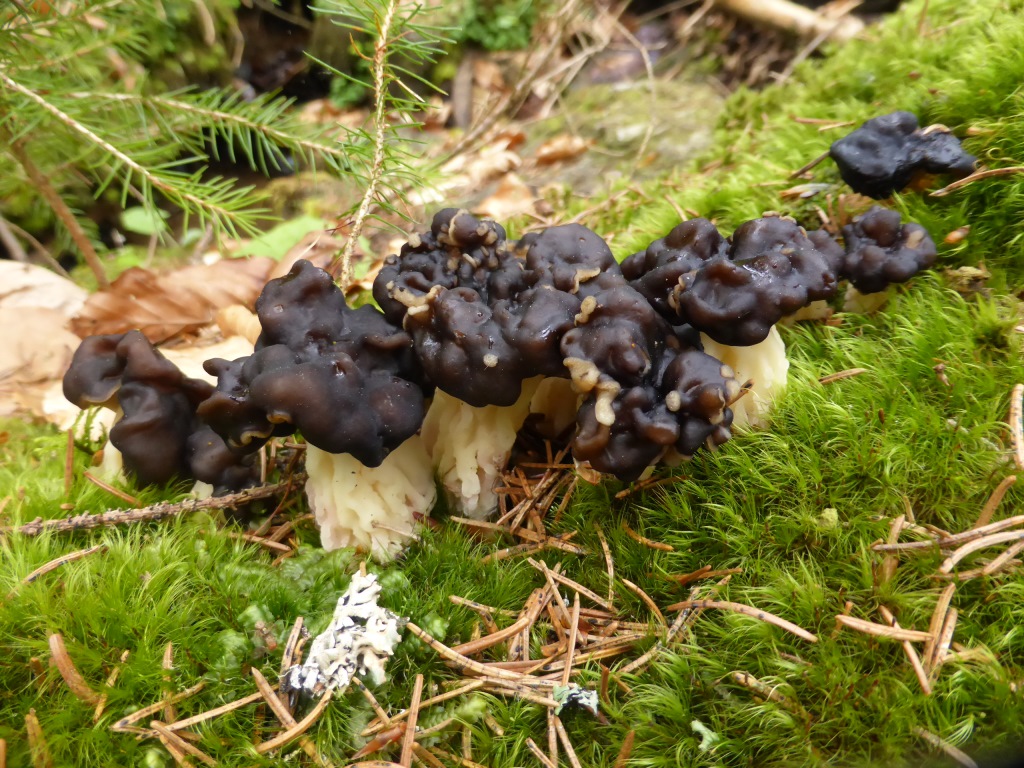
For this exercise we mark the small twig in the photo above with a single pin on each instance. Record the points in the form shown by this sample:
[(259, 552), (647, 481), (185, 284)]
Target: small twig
[(993, 501), (69, 672), (945, 640), (168, 665), (999, 562), (116, 492), (570, 648), (146, 514), (566, 581), (215, 712), (410, 729), (747, 610), (946, 747), (977, 176), (59, 207), (145, 712), (950, 541), (552, 737)]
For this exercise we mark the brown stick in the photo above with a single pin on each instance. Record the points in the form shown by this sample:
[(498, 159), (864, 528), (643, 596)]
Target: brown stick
[(410, 730), (791, 17), (62, 211), (147, 514), (69, 672)]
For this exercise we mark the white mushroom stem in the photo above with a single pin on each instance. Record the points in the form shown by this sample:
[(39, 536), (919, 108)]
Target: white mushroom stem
[(764, 364), (865, 303), (373, 508), (470, 446)]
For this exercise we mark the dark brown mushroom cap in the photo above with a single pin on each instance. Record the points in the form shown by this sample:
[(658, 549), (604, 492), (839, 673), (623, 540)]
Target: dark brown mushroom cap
[(619, 332), (534, 324), (830, 248), (643, 430), (881, 250), (772, 269), (463, 351), (569, 258), (158, 412), (656, 271), (699, 389), (882, 156), (345, 378), (211, 461), (94, 375)]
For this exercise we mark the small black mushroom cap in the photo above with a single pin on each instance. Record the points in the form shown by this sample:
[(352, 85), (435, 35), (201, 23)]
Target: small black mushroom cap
[(533, 324), (569, 258), (211, 461), (699, 389), (643, 430), (463, 351), (880, 250), (94, 375), (882, 156), (656, 271), (771, 270)]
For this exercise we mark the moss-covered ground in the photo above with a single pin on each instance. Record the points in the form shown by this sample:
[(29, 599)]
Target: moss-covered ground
[(796, 506)]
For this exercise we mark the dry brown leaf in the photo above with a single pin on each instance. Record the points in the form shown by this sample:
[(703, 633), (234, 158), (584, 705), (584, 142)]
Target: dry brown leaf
[(162, 306), (563, 147), (512, 198)]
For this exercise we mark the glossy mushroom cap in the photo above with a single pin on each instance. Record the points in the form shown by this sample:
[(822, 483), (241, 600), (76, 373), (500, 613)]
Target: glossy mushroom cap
[(345, 378), (884, 154), (881, 250)]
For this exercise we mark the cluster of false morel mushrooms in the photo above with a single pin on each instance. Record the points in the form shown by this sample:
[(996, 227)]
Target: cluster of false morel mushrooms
[(477, 335)]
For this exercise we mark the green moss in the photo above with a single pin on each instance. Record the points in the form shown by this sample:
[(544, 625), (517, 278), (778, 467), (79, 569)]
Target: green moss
[(796, 506)]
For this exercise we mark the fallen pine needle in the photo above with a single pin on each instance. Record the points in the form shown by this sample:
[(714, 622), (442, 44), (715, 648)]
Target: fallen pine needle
[(993, 501), (475, 646), (168, 665), (658, 545), (59, 561), (977, 176), (115, 492), (648, 601), (950, 541), (566, 581), (299, 728), (609, 564), (539, 753), (410, 729), (985, 541), (946, 747), (945, 640), (454, 693), (570, 648), (216, 712), (145, 712), (883, 630), (111, 679), (915, 660), (1002, 560), (181, 745), (454, 758), (747, 611), (1016, 425), (849, 373), (626, 750), (769, 692), (37, 742), (69, 672), (563, 737), (462, 663)]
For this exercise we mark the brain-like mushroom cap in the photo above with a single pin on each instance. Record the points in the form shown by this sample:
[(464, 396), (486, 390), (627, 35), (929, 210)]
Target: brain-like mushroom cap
[(881, 250), (211, 461), (569, 258), (656, 271), (771, 270), (345, 378), (882, 156)]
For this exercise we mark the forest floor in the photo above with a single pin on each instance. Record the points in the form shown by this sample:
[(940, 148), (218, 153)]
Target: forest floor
[(914, 443)]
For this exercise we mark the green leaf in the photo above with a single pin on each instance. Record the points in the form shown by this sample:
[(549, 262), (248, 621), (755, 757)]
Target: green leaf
[(144, 221)]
